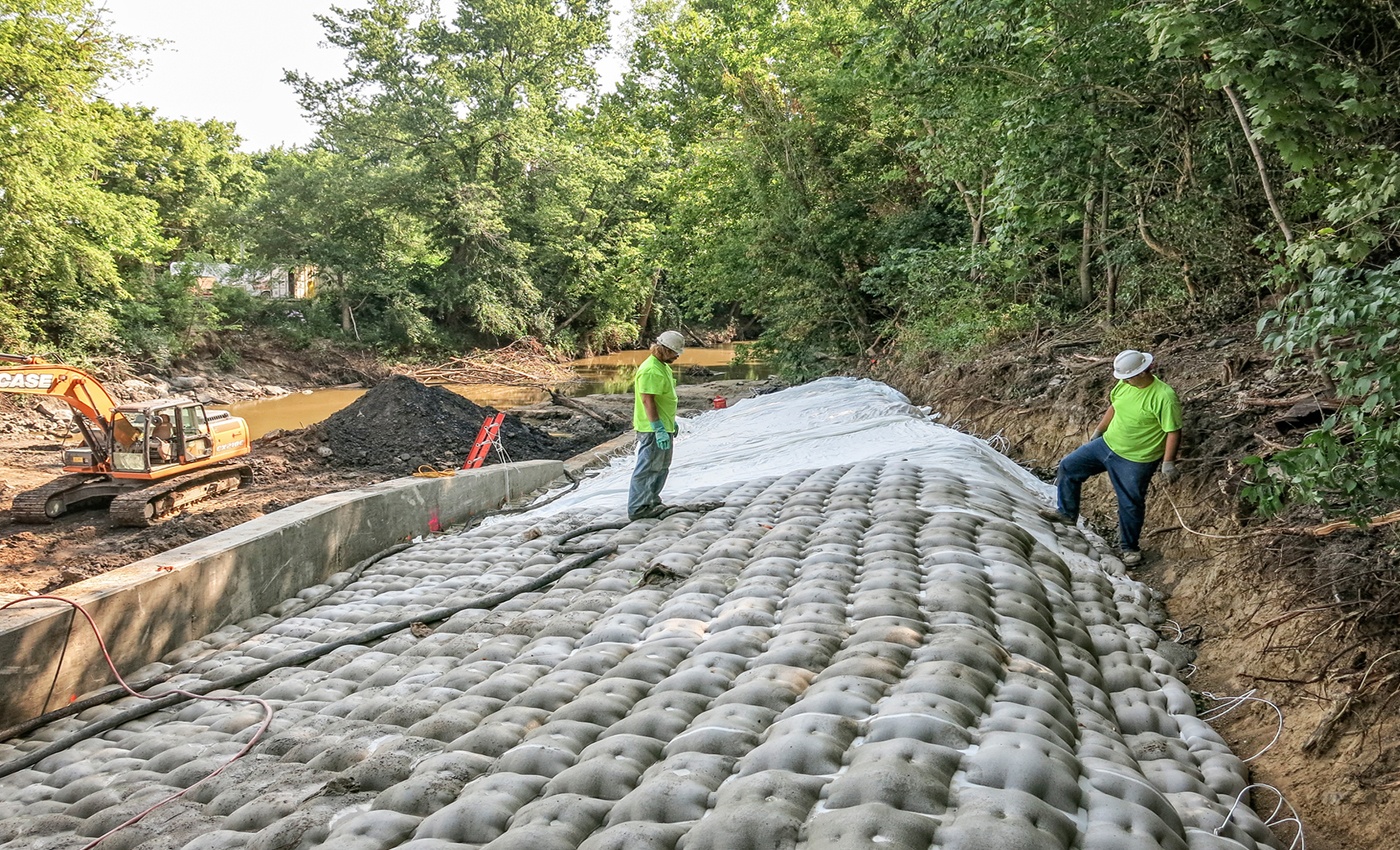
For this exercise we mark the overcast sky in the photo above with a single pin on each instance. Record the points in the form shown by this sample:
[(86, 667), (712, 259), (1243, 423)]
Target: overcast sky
[(225, 59)]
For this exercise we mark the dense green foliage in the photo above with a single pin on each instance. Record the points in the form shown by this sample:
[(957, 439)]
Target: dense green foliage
[(1350, 320), (881, 176)]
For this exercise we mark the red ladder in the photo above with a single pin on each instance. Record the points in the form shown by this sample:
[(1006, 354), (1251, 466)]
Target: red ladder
[(485, 438)]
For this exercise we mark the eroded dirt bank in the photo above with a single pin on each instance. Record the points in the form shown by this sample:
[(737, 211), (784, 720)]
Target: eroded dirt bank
[(1277, 616)]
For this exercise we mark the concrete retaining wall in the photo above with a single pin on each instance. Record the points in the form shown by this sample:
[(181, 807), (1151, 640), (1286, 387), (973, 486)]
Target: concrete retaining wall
[(48, 654)]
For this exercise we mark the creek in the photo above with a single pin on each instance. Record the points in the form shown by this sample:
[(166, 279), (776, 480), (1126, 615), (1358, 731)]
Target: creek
[(607, 373)]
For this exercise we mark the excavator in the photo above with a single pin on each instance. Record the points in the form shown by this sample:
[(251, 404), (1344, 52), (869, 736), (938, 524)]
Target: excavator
[(147, 460)]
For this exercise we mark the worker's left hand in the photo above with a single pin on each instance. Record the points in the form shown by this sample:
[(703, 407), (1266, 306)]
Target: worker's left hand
[(663, 439), (1169, 472)]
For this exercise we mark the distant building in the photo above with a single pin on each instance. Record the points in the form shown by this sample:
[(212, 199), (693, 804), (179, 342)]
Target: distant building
[(274, 282)]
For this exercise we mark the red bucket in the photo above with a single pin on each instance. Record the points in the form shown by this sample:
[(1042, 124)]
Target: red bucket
[(720, 402)]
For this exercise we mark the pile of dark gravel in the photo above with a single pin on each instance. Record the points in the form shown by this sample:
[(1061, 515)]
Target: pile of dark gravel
[(401, 425)]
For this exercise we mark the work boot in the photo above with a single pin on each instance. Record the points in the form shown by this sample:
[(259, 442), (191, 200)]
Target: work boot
[(1055, 515), (1131, 558)]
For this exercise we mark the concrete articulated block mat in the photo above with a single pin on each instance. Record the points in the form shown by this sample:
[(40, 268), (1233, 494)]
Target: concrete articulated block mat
[(875, 653)]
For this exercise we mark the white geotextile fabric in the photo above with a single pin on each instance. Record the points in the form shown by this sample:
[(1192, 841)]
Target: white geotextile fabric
[(827, 422), (823, 423)]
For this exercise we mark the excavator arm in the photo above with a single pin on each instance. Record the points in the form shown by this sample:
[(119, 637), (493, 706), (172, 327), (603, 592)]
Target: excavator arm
[(84, 393)]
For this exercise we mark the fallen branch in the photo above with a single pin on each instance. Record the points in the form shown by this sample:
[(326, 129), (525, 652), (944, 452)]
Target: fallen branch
[(1338, 525), (565, 401), (1253, 401), (1279, 531), (527, 376), (1323, 733), (1294, 614), (1271, 445), (1069, 343), (523, 363)]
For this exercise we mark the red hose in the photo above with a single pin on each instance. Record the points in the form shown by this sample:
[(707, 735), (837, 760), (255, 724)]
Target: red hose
[(97, 633)]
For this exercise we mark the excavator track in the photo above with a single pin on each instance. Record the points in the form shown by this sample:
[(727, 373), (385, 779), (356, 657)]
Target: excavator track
[(149, 505), (50, 501)]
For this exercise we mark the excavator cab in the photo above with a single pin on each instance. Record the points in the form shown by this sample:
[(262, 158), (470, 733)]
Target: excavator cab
[(130, 436), (194, 432), (169, 432)]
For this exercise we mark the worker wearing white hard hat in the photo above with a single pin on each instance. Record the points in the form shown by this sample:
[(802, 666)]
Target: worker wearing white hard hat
[(673, 341), (654, 419), (1139, 434)]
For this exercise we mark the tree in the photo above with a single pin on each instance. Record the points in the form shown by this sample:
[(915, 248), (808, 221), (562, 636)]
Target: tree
[(194, 173), (787, 192), (472, 106), (1319, 82), (350, 221), (1090, 171), (1315, 84), (62, 238)]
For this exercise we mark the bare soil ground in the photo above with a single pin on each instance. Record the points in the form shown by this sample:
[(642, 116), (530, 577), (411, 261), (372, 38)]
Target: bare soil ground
[(398, 427), (1296, 620)]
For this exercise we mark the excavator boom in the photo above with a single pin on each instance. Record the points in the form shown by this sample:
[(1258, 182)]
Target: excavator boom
[(83, 392)]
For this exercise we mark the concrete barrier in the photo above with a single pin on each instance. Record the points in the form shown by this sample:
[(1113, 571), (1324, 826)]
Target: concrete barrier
[(48, 654)]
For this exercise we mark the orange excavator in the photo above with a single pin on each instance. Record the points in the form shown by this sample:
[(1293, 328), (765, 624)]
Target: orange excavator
[(147, 459)]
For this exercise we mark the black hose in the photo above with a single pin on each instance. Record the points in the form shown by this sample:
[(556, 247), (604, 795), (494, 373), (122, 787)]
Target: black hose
[(529, 506), (298, 658), (557, 544)]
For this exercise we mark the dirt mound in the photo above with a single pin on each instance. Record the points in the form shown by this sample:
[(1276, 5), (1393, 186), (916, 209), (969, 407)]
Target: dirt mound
[(401, 425)]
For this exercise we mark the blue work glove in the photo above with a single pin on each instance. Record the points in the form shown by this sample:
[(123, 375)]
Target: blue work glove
[(1169, 472), (663, 439)]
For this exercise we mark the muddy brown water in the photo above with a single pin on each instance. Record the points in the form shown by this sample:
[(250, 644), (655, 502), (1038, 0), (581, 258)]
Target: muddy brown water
[(609, 373)]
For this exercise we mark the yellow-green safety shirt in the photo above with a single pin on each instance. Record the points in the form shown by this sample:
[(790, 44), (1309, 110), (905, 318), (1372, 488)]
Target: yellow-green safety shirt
[(1142, 418), (654, 378)]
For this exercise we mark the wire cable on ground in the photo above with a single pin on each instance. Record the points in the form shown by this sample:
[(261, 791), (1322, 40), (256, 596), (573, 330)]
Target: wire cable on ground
[(118, 691), (1281, 530), (428, 471), (297, 658), (574, 482), (1229, 704), (1273, 819), (62, 655), (1262, 532)]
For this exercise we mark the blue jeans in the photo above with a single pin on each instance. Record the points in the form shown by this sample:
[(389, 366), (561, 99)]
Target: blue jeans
[(1129, 479), (649, 476)]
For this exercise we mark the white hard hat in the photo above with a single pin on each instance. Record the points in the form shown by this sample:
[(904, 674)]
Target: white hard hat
[(1129, 363), (672, 340)]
